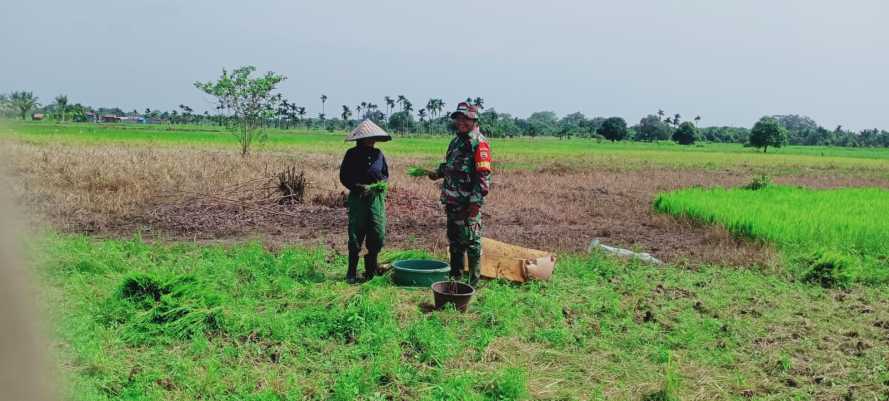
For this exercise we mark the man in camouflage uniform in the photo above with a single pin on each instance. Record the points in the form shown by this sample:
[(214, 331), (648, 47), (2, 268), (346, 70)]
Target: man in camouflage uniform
[(467, 178)]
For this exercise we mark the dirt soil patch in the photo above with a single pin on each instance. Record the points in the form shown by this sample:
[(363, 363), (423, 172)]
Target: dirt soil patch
[(204, 195)]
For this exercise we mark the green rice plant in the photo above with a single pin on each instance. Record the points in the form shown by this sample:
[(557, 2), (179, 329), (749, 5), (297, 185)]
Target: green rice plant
[(846, 222)]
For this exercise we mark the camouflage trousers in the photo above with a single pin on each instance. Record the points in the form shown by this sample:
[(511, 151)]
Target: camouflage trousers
[(464, 238)]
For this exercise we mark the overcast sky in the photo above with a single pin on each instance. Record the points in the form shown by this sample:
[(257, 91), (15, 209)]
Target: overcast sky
[(730, 61)]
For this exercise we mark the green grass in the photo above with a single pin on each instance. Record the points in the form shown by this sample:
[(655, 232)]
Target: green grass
[(845, 227), (509, 153), (135, 321)]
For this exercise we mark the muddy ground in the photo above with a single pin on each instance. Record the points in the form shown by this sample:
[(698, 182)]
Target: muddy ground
[(216, 196)]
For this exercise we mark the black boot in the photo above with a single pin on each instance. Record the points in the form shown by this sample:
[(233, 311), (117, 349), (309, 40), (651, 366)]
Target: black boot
[(370, 266), (457, 263), (352, 273), (473, 272)]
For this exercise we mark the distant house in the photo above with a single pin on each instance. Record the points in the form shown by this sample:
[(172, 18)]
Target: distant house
[(37, 116), (132, 119), (110, 118)]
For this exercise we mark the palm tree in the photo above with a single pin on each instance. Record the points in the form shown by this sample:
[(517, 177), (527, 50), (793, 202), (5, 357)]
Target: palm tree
[(479, 102), (422, 114), (301, 112), (186, 113), (358, 109), (24, 102), (62, 105), (676, 119), (390, 104), (323, 100), (697, 120), (439, 106), (347, 114), (430, 105), (660, 114)]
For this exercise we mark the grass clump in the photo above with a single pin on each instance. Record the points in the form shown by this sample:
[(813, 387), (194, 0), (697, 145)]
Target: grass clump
[(763, 181), (152, 307), (830, 269)]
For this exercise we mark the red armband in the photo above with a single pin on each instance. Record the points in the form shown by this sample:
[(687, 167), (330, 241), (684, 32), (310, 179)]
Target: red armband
[(483, 158)]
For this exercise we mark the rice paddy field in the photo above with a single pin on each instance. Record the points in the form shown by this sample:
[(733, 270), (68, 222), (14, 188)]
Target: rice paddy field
[(512, 153), (848, 223), (165, 272)]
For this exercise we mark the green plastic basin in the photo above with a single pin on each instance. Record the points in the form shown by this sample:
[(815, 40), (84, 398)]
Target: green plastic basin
[(419, 273)]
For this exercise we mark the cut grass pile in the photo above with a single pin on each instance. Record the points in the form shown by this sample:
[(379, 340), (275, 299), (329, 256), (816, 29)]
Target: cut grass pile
[(182, 322), (841, 233)]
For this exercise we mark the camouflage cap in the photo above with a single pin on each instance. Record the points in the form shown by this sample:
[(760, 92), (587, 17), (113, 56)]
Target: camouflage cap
[(467, 110), (368, 130)]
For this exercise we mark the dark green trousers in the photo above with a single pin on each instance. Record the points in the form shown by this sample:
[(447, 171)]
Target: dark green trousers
[(464, 238), (367, 222)]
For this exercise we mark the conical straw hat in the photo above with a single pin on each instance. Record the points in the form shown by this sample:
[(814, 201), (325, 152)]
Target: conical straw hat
[(367, 129)]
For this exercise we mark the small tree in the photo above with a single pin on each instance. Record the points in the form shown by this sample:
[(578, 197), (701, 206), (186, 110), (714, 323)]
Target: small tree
[(768, 131), (403, 119), (686, 134), (249, 100), (23, 102), (4, 104), (651, 128), (613, 129)]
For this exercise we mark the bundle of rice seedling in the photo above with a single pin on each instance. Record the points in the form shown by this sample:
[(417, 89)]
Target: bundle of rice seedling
[(415, 171), (378, 187)]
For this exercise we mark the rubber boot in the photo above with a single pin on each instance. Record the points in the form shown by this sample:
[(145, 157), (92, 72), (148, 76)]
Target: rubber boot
[(352, 273), (370, 266), (474, 271), (457, 263)]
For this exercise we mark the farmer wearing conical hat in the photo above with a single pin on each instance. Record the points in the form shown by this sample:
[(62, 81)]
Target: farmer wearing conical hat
[(363, 166), (467, 177)]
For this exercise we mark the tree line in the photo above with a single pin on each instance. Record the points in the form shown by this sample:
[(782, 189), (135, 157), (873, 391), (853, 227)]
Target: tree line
[(400, 115)]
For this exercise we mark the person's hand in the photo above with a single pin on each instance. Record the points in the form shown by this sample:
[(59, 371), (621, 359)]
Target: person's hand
[(360, 189)]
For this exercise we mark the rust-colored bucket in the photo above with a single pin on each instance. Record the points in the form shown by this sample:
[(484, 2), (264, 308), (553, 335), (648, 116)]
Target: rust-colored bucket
[(452, 292)]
